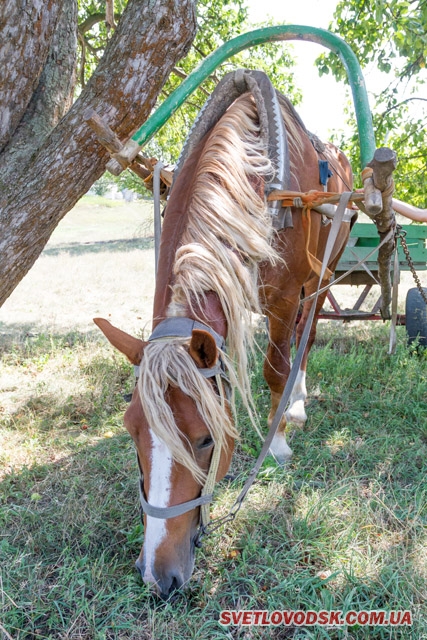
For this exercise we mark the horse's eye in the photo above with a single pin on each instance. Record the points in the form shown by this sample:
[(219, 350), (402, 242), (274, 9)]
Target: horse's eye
[(206, 442)]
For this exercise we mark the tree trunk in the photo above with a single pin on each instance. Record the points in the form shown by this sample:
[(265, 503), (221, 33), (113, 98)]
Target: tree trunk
[(26, 31), (57, 168)]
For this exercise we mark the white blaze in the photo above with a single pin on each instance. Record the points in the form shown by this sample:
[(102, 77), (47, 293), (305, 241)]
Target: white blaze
[(159, 495)]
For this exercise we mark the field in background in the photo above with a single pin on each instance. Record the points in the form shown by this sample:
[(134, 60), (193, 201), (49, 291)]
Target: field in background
[(343, 526), (98, 262)]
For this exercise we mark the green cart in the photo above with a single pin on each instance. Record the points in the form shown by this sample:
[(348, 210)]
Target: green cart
[(363, 238)]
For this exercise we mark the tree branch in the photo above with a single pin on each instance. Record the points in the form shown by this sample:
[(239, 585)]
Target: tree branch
[(90, 22), (82, 59), (182, 74), (399, 104)]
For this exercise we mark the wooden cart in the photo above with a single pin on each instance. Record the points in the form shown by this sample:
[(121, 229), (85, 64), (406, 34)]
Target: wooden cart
[(363, 238)]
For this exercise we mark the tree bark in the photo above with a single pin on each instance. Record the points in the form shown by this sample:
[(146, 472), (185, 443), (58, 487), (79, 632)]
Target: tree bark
[(151, 37), (26, 31), (51, 99)]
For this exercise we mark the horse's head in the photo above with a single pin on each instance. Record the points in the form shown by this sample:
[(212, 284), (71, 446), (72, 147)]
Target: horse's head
[(177, 416)]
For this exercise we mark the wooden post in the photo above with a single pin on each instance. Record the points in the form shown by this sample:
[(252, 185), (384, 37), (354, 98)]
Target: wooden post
[(383, 164), (110, 141)]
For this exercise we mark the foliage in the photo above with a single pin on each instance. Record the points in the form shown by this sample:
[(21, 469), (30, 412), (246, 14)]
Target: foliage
[(391, 37), (93, 34), (218, 22), (101, 186)]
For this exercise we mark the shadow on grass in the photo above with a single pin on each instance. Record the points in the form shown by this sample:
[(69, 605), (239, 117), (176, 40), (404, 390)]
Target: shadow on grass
[(349, 514), (81, 248), (71, 532), (342, 531), (29, 337)]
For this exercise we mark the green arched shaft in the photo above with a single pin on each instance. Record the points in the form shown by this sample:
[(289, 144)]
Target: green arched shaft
[(260, 36)]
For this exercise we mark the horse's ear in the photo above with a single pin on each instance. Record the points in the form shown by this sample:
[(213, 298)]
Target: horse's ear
[(127, 344), (203, 349)]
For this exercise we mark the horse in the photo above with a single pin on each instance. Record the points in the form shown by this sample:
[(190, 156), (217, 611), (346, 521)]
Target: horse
[(221, 261)]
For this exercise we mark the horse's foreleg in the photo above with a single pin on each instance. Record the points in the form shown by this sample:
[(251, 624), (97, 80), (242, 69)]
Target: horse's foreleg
[(296, 409), (277, 366), (295, 412)]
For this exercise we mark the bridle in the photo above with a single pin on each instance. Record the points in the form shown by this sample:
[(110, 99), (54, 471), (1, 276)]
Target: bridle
[(181, 327)]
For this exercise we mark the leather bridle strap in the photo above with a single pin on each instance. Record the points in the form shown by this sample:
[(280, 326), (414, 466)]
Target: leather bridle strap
[(181, 327), (165, 513)]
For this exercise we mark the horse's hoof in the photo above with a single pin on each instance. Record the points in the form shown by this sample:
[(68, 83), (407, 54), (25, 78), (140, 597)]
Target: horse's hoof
[(280, 449)]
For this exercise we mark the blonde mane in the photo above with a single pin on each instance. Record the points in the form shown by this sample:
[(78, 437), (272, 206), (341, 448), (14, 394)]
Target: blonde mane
[(228, 233)]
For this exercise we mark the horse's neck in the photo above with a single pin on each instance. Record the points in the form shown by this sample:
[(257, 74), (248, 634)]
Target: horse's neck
[(176, 218), (210, 312), (175, 221)]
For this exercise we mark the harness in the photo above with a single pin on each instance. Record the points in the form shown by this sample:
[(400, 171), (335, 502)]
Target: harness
[(182, 327), (274, 133)]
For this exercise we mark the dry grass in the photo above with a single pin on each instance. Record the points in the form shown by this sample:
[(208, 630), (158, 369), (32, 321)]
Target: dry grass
[(98, 262)]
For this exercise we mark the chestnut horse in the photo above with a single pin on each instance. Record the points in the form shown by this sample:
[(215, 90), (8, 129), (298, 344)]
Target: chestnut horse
[(220, 261)]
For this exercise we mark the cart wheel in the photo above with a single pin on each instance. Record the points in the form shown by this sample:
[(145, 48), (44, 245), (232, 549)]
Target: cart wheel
[(416, 317)]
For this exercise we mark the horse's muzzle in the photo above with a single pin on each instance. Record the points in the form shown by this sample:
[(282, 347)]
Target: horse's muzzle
[(166, 581)]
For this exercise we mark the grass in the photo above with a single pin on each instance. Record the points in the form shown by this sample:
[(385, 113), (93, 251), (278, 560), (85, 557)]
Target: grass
[(343, 526)]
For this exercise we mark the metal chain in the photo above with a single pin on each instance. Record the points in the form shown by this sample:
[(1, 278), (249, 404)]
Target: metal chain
[(401, 235)]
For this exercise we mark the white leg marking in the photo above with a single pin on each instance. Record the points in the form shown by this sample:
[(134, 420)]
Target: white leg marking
[(280, 448), (159, 495), (296, 411)]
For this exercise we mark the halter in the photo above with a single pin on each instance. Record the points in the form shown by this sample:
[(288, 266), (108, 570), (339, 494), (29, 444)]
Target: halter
[(179, 327)]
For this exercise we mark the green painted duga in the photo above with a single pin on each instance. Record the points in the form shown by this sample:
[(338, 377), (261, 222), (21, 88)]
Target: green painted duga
[(260, 36)]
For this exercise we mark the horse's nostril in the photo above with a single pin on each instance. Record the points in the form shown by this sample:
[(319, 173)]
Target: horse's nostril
[(139, 566), (174, 585), (167, 591), (165, 585)]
